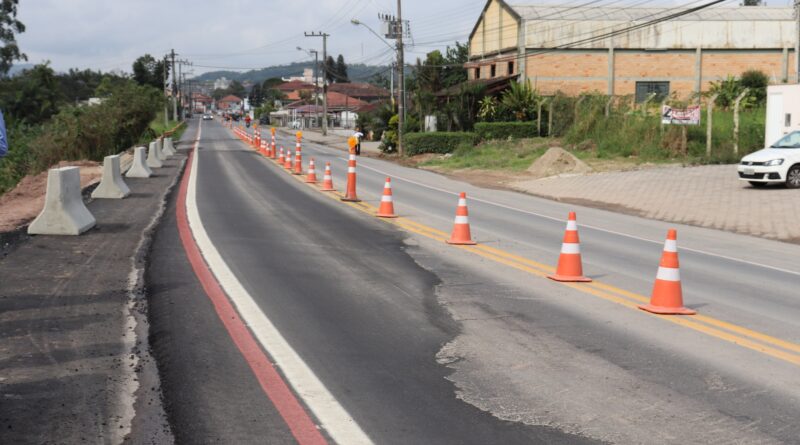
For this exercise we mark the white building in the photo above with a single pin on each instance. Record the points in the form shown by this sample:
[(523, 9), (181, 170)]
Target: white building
[(221, 83)]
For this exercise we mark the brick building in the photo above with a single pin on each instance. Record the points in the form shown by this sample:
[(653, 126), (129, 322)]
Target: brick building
[(571, 49)]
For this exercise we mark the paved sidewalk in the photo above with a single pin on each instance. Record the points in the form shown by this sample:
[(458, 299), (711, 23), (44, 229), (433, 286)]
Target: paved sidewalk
[(706, 196)]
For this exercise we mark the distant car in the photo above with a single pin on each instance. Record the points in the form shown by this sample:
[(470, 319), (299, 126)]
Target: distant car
[(295, 124), (207, 117), (778, 163)]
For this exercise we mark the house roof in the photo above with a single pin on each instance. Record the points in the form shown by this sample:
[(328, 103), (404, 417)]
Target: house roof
[(530, 11), (339, 100), (359, 89), (294, 85), (493, 85), (230, 98)]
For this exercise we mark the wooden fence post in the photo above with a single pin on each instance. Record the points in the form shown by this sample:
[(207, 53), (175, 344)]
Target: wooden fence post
[(577, 107), (550, 118), (539, 117), (608, 105), (709, 121), (736, 121)]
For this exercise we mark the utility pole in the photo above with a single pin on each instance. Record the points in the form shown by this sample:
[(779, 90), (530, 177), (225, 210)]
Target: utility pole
[(797, 41), (401, 103), (166, 105), (325, 79), (174, 92)]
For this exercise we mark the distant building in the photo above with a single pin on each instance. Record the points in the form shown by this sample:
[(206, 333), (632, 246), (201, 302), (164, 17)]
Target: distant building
[(362, 91), (572, 49), (201, 103), (230, 103), (221, 83), (307, 77)]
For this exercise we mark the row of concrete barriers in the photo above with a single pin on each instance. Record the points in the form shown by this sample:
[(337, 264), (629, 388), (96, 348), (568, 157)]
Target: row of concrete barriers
[(64, 211)]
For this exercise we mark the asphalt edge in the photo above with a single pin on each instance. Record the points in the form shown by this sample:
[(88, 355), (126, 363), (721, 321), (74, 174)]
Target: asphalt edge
[(148, 421)]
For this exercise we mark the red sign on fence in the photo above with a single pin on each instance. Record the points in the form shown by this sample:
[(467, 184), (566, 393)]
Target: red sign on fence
[(687, 116)]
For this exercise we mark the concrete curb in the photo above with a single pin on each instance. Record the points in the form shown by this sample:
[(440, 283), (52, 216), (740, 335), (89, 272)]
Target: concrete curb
[(169, 148), (139, 169), (112, 186), (64, 212)]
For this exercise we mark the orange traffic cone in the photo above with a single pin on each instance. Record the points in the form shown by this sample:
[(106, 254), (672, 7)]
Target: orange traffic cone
[(569, 262), (280, 158), (312, 174), (273, 147), (386, 209), (298, 160), (263, 149), (350, 195), (461, 233), (327, 179), (287, 161), (667, 296)]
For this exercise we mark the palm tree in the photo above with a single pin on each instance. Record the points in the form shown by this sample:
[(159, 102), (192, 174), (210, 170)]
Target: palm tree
[(520, 100)]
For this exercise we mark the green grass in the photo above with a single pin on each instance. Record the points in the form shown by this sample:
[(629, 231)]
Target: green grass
[(516, 155), (159, 128)]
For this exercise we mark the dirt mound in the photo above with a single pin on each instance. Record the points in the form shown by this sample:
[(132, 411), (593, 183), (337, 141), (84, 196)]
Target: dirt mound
[(557, 161), (21, 204)]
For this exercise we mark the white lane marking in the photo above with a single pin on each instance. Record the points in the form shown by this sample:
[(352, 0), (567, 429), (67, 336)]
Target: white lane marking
[(333, 417), (588, 226)]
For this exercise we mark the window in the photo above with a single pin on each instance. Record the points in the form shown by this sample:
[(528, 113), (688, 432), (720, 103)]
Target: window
[(510, 68), (478, 72), (787, 121), (645, 89), (493, 70)]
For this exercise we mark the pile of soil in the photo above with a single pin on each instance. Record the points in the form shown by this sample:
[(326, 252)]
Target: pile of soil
[(22, 204), (557, 161)]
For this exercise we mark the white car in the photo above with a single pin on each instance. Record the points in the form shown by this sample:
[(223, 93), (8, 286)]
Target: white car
[(778, 163)]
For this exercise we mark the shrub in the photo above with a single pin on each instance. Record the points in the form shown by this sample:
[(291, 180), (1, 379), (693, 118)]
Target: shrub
[(505, 130), (437, 142)]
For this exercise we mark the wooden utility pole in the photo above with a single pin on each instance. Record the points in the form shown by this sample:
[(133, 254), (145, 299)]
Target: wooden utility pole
[(166, 104), (174, 92), (401, 102), (324, 79)]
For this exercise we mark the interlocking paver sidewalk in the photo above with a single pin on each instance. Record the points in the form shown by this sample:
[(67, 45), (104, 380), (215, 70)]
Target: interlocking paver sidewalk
[(706, 196)]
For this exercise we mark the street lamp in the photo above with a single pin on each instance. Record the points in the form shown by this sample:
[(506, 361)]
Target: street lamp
[(316, 79), (401, 88)]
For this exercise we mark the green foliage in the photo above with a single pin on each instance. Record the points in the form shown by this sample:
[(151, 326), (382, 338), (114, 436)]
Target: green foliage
[(757, 82), (81, 132), (389, 137), (437, 142), (505, 130), (488, 109), (9, 27), (149, 71), (341, 70), (516, 155), (236, 88), (33, 96), (520, 100)]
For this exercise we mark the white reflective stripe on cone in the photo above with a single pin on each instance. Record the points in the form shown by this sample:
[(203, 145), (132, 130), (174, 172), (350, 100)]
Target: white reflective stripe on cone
[(460, 219), (670, 245), (462, 202), (386, 198), (572, 225), (388, 185), (572, 248), (351, 169), (352, 157), (668, 274), (326, 177)]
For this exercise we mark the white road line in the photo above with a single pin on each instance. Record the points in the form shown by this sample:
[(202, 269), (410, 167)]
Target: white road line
[(588, 226), (333, 417)]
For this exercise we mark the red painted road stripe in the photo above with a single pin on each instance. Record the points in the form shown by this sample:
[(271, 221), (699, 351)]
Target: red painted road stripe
[(297, 419)]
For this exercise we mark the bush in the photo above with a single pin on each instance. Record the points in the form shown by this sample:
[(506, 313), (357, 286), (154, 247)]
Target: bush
[(437, 142), (506, 130)]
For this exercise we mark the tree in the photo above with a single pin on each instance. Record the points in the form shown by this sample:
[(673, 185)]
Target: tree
[(33, 96), (341, 70), (9, 26), (757, 82), (271, 83), (455, 57), (329, 67), (520, 100), (149, 71), (237, 89), (256, 96)]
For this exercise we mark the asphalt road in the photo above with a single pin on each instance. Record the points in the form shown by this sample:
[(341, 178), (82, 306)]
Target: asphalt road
[(422, 343)]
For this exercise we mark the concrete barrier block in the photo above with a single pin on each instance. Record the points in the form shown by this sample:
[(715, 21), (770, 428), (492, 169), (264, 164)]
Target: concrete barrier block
[(64, 212), (111, 185), (153, 156), (161, 155), (139, 169), (169, 148)]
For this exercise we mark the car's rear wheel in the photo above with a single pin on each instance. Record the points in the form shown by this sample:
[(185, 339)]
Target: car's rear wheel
[(793, 177), (758, 185)]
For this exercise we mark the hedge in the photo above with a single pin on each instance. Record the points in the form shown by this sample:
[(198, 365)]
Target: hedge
[(505, 130), (437, 142)]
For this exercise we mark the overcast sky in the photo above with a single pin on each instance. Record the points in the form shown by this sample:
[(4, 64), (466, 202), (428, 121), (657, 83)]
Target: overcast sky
[(110, 34)]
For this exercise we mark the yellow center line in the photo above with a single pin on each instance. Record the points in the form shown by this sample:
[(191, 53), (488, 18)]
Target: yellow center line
[(763, 343)]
